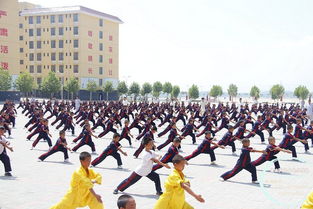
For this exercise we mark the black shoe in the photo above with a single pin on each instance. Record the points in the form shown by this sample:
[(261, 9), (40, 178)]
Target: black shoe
[(115, 191), (8, 174), (159, 193)]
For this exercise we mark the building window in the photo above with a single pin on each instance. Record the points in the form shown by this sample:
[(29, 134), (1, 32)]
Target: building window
[(38, 44), (53, 68), (100, 70), (100, 82), (110, 38), (90, 33), (61, 31), (101, 22), (110, 60), (100, 58), (21, 50), (75, 17), (31, 44), (21, 38), (30, 20), (38, 19), (100, 34), (53, 56), (75, 69), (110, 49), (38, 68), (61, 56), (52, 31), (101, 46), (89, 45), (60, 18), (75, 57), (52, 19), (75, 43), (61, 44), (61, 68), (90, 58), (52, 44), (21, 62), (38, 31), (38, 56), (20, 25), (75, 30), (31, 32), (39, 81), (31, 68)]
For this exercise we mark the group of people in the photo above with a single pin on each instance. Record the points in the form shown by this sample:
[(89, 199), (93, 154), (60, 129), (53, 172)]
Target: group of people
[(200, 121)]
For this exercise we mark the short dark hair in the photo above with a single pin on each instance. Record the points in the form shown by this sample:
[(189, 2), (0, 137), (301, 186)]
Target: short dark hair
[(208, 132), (177, 139), (289, 127), (230, 127), (146, 141), (116, 135), (154, 128), (245, 140), (123, 200), (177, 159), (84, 155), (61, 132), (2, 128)]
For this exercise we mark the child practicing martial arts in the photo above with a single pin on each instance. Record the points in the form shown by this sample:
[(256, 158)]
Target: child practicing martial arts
[(4, 158), (111, 150), (244, 162), (60, 146), (145, 169), (175, 187), (81, 193)]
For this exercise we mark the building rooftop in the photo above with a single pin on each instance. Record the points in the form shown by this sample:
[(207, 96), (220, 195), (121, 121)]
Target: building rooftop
[(69, 9)]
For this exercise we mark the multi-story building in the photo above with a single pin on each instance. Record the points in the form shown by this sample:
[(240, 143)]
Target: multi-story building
[(72, 41), (9, 43)]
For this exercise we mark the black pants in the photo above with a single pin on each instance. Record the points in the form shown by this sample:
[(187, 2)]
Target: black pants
[(192, 136), (99, 159), (6, 161), (54, 150), (262, 160), (134, 177), (251, 168), (107, 130), (198, 152), (68, 127), (128, 139), (82, 143), (42, 136)]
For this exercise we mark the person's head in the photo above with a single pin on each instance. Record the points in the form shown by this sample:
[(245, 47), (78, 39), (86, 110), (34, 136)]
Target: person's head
[(126, 122), (311, 122), (176, 142), (245, 142), (62, 134), (116, 137), (242, 123), (289, 128), (259, 117), (154, 129), (208, 134), (148, 143), (179, 162), (85, 159), (298, 121), (126, 202), (271, 140), (230, 128), (2, 130)]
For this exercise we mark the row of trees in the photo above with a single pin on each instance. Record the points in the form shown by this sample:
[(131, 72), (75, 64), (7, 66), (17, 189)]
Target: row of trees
[(51, 85)]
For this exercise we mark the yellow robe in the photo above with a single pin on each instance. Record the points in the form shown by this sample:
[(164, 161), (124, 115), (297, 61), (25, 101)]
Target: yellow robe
[(174, 195), (79, 194), (308, 203)]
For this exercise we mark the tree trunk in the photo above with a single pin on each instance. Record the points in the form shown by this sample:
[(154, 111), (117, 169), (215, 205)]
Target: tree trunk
[(90, 94), (107, 96)]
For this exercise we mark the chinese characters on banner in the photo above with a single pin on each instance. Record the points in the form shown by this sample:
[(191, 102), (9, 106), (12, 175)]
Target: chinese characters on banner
[(3, 32), (4, 65), (3, 13), (4, 49), (90, 70)]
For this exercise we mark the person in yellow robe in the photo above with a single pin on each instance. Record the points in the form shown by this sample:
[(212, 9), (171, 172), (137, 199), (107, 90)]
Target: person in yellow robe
[(175, 187), (308, 203), (81, 193)]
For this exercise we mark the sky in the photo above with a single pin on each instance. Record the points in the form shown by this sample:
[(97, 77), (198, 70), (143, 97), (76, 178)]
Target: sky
[(212, 42)]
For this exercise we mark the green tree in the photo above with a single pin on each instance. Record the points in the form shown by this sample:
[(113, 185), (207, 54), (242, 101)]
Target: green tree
[(232, 91), (216, 91), (301, 92), (108, 88), (25, 83), (51, 84), (167, 88), (175, 92), (134, 89), (146, 89), (255, 92), (156, 89), (91, 87), (72, 87), (193, 92), (277, 92), (122, 88), (5, 79)]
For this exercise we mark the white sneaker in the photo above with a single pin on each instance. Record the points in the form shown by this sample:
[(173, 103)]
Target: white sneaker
[(66, 160), (221, 179), (39, 160), (213, 163), (255, 182), (294, 158), (31, 148), (307, 152), (234, 153), (277, 170), (119, 167), (94, 153)]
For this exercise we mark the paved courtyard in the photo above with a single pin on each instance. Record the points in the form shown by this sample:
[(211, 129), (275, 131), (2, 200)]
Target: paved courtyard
[(39, 185)]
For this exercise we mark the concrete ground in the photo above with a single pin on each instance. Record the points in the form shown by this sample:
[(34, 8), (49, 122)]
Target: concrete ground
[(41, 184)]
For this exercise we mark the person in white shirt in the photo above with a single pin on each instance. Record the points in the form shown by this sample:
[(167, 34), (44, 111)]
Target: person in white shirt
[(310, 110), (77, 103), (145, 169), (4, 158)]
